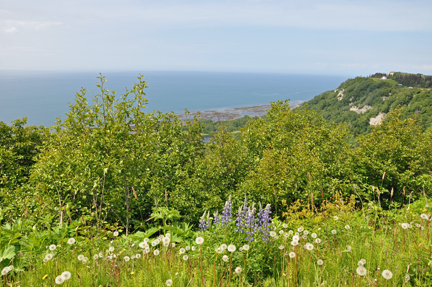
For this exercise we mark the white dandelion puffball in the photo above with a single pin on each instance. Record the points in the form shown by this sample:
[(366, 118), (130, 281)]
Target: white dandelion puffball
[(48, 257), (185, 257), (143, 245), (218, 250), (156, 252), (154, 243), (111, 249), (52, 247), (290, 232), (101, 254), (59, 279), (320, 262), (66, 275), (404, 225), (305, 232), (166, 240), (168, 235), (81, 257), (296, 238), (146, 240), (363, 261), (360, 263), (95, 257), (361, 271), (246, 247), (294, 243), (173, 245), (300, 229), (309, 246), (286, 235), (225, 258), (335, 217), (138, 256), (292, 254), (407, 278), (409, 226), (199, 240), (314, 235), (347, 227), (182, 250), (349, 248), (272, 233), (297, 234), (231, 248), (241, 248), (146, 250), (193, 248), (281, 247), (160, 237), (387, 274), (238, 270), (71, 241), (168, 282), (281, 232), (285, 225), (115, 233), (333, 231), (304, 236), (424, 216), (45, 260), (5, 271), (126, 258), (224, 246)]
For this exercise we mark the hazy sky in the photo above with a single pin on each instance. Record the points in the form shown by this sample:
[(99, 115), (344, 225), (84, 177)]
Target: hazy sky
[(312, 37)]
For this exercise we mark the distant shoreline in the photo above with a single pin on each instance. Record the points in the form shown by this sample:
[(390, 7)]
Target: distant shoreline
[(226, 114)]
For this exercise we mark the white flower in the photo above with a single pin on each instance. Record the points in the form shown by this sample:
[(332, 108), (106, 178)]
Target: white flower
[(224, 246), (407, 278), (363, 261), (5, 271), (173, 245), (199, 240), (168, 282), (95, 257), (272, 233), (361, 271), (101, 254), (290, 232), (168, 235), (185, 257), (146, 250), (296, 238), (166, 240), (48, 256), (59, 279), (281, 247), (146, 240), (52, 247), (126, 258), (187, 248), (281, 232), (360, 263), (155, 242), (66, 275), (219, 250), (71, 241), (404, 225), (138, 256), (231, 248), (349, 248), (115, 233), (335, 217), (320, 262), (225, 258), (334, 231), (156, 252), (309, 246), (193, 248), (409, 226), (182, 250), (314, 235), (111, 249), (241, 248), (294, 243), (300, 229), (297, 234), (45, 260), (143, 245), (81, 257), (238, 270), (347, 227), (292, 254), (245, 247), (424, 216), (285, 225), (286, 235), (304, 236), (387, 274), (305, 232)]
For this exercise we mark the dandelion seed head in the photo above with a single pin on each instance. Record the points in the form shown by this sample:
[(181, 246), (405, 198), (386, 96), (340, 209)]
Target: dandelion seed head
[(156, 252), (285, 225), (333, 231), (66, 275), (292, 254), (111, 249), (320, 262), (225, 258), (138, 256), (169, 282), (71, 241), (95, 257), (387, 274), (193, 248), (246, 247), (59, 279), (187, 248), (347, 227), (314, 235), (404, 225), (361, 271), (300, 229), (238, 270), (182, 250), (185, 257), (199, 240), (52, 247), (336, 218), (272, 233), (224, 246), (115, 233), (424, 216), (81, 257), (231, 248)]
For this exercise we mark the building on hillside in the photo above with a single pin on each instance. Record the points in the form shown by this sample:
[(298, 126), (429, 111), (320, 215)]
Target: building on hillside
[(391, 74), (384, 78), (399, 85)]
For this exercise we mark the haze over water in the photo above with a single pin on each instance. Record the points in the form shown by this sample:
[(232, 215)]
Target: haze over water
[(43, 96)]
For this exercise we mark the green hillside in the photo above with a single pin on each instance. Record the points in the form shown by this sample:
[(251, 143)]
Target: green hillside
[(358, 101)]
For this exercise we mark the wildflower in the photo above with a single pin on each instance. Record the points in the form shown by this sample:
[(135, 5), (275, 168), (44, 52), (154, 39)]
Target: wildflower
[(146, 240), (360, 263), (133, 257), (363, 261), (115, 233), (71, 241), (224, 246), (225, 258), (132, 273), (265, 220), (272, 233), (361, 271), (155, 242), (309, 246), (45, 277), (335, 217), (238, 270), (5, 271), (333, 231), (111, 249), (281, 232), (241, 248), (246, 247), (292, 254), (169, 282), (300, 229), (193, 248), (48, 256), (231, 248), (81, 257), (294, 243), (156, 252), (126, 258), (290, 232), (168, 235), (227, 213), (314, 235), (66, 275), (286, 235), (187, 248), (59, 279), (404, 225), (185, 257), (407, 278), (95, 257), (296, 238), (142, 245), (101, 254), (281, 247), (138, 256), (45, 260), (203, 223), (305, 232), (182, 250), (320, 262), (409, 226), (347, 227), (173, 245), (146, 250), (285, 225), (219, 250), (52, 247), (348, 248), (166, 241), (387, 274), (424, 216), (304, 236), (199, 240)]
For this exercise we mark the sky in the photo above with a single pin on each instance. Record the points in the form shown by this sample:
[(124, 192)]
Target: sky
[(261, 36)]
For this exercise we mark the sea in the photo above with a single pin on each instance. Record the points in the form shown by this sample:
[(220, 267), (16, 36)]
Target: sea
[(43, 97)]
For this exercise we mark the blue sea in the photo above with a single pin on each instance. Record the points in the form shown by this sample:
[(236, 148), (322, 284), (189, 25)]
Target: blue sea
[(44, 96)]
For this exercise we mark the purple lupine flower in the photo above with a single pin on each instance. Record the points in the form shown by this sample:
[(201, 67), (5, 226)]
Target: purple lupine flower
[(265, 220), (202, 223), (227, 213), (251, 223), (216, 217), (241, 216)]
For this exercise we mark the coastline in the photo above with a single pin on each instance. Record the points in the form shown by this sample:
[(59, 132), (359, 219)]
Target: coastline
[(226, 114)]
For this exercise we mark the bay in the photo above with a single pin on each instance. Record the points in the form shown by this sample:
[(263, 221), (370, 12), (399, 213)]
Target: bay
[(44, 96)]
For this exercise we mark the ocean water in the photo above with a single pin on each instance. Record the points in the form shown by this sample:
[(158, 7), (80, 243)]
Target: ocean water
[(44, 96)]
